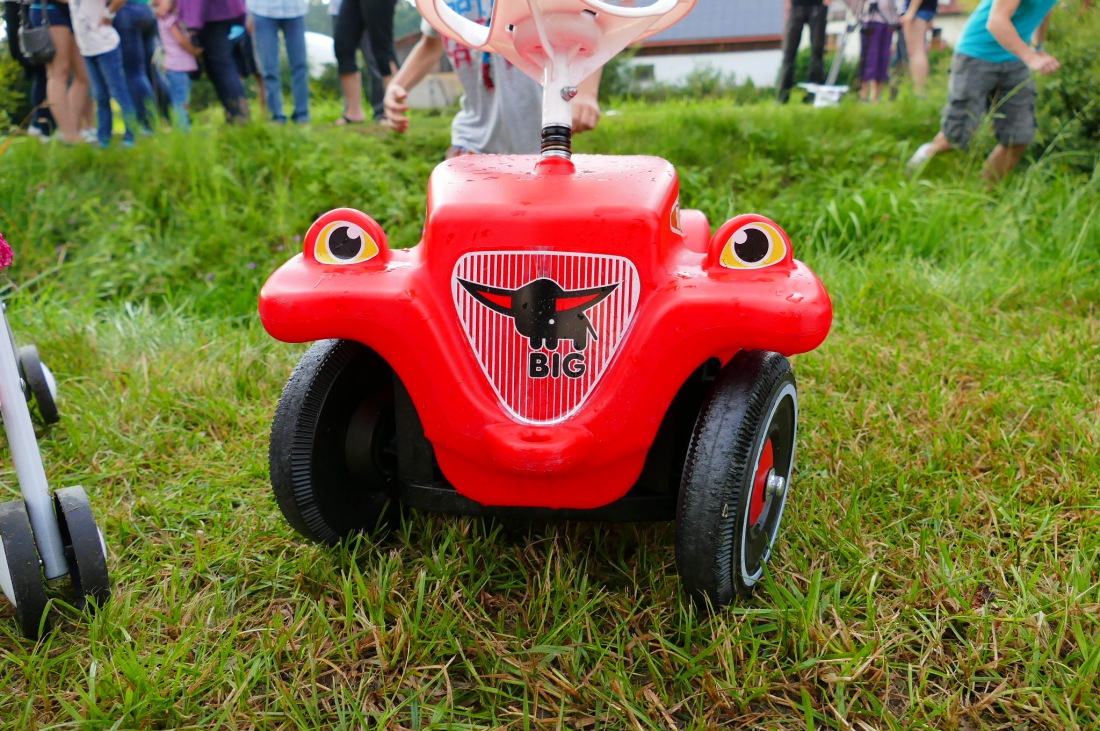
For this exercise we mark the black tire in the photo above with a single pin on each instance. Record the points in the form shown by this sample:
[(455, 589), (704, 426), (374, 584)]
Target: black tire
[(729, 507), (28, 585), (332, 457), (84, 548), (33, 372)]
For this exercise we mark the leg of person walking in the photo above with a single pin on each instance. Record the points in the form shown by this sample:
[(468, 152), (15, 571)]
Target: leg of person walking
[(221, 69), (11, 23), (376, 85), (792, 38), (267, 49), (349, 32), (294, 36), (130, 22), (1014, 121), (179, 83), (378, 22), (102, 95), (819, 17), (114, 75), (67, 100), (916, 42)]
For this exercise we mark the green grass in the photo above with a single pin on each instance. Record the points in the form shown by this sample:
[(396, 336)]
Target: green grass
[(940, 562)]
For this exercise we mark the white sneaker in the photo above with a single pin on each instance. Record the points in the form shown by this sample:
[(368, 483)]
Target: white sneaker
[(33, 131), (916, 162), (89, 135)]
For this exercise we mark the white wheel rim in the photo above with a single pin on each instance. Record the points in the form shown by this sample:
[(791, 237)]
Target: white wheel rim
[(787, 390), (51, 382), (5, 577)]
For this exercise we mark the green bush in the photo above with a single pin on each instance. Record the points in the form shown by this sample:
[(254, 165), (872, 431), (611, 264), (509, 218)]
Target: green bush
[(1069, 105), (12, 97)]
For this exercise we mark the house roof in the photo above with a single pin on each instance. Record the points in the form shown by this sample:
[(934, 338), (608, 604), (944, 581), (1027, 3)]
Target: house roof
[(713, 21)]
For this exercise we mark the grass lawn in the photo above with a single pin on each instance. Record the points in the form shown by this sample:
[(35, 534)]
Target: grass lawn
[(939, 566)]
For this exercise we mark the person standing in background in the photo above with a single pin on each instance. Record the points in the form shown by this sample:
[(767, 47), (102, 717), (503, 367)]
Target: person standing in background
[(915, 24), (375, 18), (268, 18), (67, 100), (41, 121), (800, 13), (376, 86), (180, 60), (879, 18), (211, 21), (100, 46)]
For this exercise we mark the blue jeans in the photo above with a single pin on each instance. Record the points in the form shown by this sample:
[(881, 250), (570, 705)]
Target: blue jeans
[(108, 80), (137, 31), (179, 86), (267, 47)]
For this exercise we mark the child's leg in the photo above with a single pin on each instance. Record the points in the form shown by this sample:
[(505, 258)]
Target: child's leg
[(102, 95), (179, 84)]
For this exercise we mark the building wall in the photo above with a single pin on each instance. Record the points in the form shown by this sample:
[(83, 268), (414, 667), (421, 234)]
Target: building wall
[(761, 67)]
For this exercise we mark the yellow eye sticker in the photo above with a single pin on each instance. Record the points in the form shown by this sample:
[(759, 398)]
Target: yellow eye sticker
[(754, 246), (341, 242)]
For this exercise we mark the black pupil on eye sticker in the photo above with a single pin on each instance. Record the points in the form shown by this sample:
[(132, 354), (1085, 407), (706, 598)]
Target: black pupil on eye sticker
[(342, 245), (755, 246)]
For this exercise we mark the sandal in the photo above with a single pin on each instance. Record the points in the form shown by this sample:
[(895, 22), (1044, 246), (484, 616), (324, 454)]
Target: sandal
[(344, 121)]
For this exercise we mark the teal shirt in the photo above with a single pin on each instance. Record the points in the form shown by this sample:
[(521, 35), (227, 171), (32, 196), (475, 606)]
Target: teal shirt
[(978, 42)]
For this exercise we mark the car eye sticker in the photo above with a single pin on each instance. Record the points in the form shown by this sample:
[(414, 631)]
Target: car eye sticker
[(341, 242), (754, 246)]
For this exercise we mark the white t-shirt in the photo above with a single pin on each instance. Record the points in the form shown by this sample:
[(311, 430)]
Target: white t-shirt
[(93, 37), (505, 119)]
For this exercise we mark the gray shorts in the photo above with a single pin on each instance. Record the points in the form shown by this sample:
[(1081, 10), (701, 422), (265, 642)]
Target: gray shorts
[(976, 88)]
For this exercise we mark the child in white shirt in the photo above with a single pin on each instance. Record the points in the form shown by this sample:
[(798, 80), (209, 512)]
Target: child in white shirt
[(98, 42)]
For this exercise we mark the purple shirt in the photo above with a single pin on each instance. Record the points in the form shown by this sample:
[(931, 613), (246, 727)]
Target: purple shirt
[(196, 13)]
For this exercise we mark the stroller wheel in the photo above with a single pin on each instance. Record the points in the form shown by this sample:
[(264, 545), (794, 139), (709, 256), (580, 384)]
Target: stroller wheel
[(332, 456), (40, 383), (21, 576), (736, 478), (84, 548)]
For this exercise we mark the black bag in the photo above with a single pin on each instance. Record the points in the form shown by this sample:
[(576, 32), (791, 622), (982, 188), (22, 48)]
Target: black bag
[(38, 48)]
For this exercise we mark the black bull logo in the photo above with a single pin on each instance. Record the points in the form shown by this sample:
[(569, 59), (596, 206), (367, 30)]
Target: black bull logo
[(543, 311)]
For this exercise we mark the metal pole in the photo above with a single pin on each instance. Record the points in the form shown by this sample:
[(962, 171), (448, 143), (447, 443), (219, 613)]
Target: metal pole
[(28, 462)]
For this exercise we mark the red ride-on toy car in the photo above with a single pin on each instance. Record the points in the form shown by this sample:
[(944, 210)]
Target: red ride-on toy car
[(563, 342)]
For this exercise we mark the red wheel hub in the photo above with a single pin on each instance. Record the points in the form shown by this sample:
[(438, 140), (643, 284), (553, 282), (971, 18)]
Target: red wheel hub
[(760, 483)]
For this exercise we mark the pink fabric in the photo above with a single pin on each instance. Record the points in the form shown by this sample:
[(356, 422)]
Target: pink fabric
[(176, 58)]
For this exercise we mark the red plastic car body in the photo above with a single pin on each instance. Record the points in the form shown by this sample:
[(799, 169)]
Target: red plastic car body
[(549, 316)]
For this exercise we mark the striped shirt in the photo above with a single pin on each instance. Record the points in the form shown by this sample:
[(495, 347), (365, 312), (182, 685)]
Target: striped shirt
[(278, 8)]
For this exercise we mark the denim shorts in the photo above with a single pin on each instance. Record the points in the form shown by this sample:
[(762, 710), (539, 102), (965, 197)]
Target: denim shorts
[(927, 10), (58, 14), (977, 87)]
